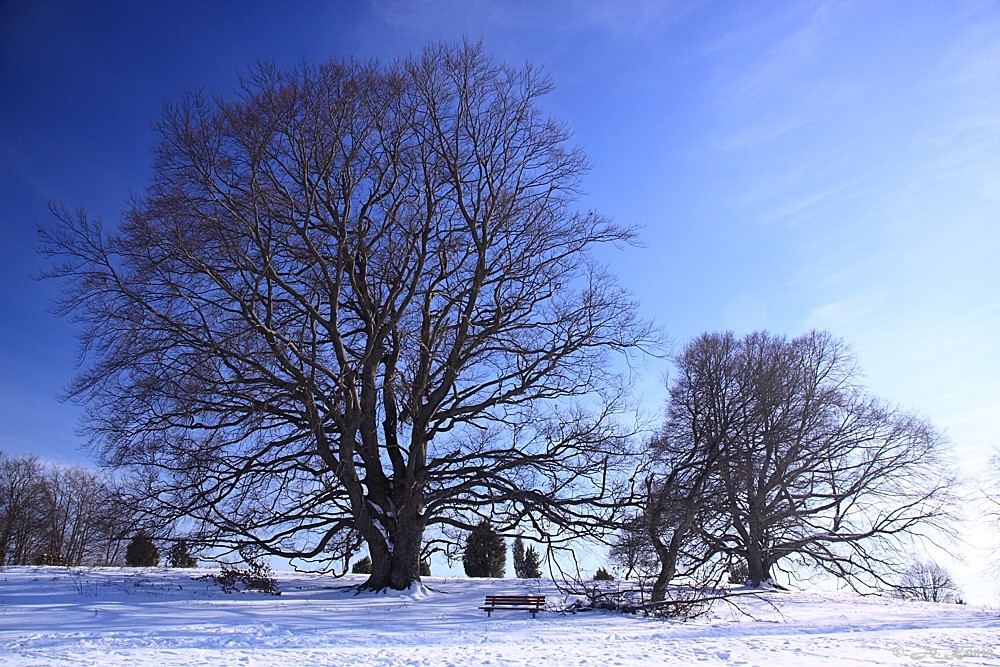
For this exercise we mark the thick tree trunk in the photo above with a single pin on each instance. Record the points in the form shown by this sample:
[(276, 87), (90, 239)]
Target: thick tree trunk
[(666, 553), (395, 552), (668, 568), (758, 569)]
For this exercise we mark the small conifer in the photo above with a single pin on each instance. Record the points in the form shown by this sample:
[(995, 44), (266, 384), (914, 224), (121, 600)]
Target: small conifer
[(518, 553), (362, 566), (180, 556), (141, 551), (485, 552), (532, 564)]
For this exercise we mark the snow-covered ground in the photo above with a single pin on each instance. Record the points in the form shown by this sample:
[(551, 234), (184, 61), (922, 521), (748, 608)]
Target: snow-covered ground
[(159, 617)]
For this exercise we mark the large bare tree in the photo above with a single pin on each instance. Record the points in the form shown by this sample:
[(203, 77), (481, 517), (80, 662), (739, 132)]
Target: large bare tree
[(356, 302), (774, 452)]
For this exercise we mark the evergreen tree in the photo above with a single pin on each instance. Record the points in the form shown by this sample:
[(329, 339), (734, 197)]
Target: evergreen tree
[(363, 566), (519, 558), (141, 551), (180, 556), (532, 564), (485, 552)]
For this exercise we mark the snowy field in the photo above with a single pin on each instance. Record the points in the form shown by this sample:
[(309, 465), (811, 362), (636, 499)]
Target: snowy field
[(159, 617)]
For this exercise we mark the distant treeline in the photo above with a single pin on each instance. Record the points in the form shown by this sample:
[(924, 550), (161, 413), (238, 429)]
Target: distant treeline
[(53, 515)]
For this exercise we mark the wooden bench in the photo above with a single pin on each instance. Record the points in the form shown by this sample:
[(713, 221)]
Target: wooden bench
[(530, 603)]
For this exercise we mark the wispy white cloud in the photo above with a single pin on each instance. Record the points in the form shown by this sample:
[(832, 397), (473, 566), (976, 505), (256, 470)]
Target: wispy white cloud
[(741, 138), (629, 18), (971, 60), (856, 313), (765, 54)]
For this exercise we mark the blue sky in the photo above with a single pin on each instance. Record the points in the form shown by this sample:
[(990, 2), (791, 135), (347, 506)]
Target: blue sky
[(792, 164)]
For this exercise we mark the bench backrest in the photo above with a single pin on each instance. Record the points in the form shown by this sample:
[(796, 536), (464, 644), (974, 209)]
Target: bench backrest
[(516, 600)]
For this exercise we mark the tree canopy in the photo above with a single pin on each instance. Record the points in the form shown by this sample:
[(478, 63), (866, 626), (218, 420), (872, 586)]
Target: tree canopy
[(354, 303)]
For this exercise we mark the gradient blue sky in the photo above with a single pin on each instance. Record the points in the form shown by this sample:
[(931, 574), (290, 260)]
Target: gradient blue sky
[(793, 165)]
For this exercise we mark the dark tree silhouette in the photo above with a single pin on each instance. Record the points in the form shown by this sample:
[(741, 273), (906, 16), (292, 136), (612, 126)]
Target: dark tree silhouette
[(179, 555), (485, 552), (772, 450), (517, 554), (357, 301), (22, 502), (532, 563), (527, 562), (681, 511), (362, 566), (141, 551)]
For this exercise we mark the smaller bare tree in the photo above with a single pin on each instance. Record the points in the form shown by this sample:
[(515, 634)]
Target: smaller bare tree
[(990, 490), (773, 454), (84, 520), (631, 551), (22, 490), (929, 582)]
